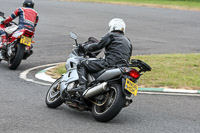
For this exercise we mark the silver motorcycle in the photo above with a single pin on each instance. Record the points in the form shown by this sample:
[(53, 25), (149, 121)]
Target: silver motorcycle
[(108, 91)]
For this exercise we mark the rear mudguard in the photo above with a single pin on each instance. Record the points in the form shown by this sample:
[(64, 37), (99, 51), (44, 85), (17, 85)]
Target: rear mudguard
[(126, 93), (67, 78)]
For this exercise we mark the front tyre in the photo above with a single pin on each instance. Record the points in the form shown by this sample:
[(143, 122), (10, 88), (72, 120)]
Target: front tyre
[(53, 98), (15, 61), (113, 105)]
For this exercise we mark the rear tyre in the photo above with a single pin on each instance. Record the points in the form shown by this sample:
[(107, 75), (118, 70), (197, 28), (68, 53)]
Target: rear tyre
[(113, 105), (53, 98), (14, 62)]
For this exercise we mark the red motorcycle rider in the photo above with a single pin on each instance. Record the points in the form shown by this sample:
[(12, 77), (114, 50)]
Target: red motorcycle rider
[(28, 19)]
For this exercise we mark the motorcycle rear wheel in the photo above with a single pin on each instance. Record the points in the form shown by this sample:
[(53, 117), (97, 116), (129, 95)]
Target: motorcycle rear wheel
[(111, 107), (53, 98), (14, 62)]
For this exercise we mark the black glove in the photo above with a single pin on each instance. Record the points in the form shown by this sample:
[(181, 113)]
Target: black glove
[(81, 49)]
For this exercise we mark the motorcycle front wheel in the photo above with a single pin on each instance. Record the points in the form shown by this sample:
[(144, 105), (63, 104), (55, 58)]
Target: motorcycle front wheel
[(15, 61), (53, 98), (115, 101)]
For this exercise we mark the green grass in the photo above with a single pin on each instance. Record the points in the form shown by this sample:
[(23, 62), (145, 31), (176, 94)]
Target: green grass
[(57, 71), (187, 4), (170, 70)]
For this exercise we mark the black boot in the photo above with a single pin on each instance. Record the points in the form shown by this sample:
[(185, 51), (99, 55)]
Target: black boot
[(82, 78)]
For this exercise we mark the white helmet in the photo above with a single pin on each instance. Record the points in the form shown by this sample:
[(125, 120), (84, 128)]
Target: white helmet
[(117, 24)]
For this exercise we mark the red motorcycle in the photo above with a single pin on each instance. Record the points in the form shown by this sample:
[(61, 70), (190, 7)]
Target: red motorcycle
[(19, 43)]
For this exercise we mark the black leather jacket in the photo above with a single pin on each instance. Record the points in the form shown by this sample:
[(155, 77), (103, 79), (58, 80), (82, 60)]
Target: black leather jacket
[(116, 45)]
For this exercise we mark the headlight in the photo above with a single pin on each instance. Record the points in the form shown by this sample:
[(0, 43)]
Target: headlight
[(70, 86)]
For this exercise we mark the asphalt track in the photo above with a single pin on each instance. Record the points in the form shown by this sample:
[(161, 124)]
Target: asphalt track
[(152, 31)]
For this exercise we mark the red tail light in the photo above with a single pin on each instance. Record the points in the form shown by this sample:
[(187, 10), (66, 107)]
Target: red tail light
[(134, 73), (28, 33)]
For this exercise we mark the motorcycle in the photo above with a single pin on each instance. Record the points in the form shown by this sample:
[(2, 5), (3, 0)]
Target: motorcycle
[(19, 43), (108, 91)]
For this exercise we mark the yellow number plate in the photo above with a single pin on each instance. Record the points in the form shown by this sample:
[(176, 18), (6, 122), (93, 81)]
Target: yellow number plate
[(25, 40), (131, 87)]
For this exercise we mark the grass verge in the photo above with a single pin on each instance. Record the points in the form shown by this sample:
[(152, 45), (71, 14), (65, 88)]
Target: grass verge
[(174, 4), (169, 70), (57, 71)]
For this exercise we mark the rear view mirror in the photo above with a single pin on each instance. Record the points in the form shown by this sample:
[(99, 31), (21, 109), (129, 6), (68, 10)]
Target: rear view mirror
[(2, 14), (73, 35)]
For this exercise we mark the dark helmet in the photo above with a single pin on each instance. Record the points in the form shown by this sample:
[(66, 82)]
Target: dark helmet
[(28, 3)]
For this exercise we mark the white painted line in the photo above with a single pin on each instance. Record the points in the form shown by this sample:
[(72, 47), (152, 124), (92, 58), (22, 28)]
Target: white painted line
[(169, 94), (43, 76), (23, 75), (180, 90)]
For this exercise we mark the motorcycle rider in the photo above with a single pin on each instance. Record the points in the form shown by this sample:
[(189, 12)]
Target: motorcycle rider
[(117, 47), (28, 19)]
